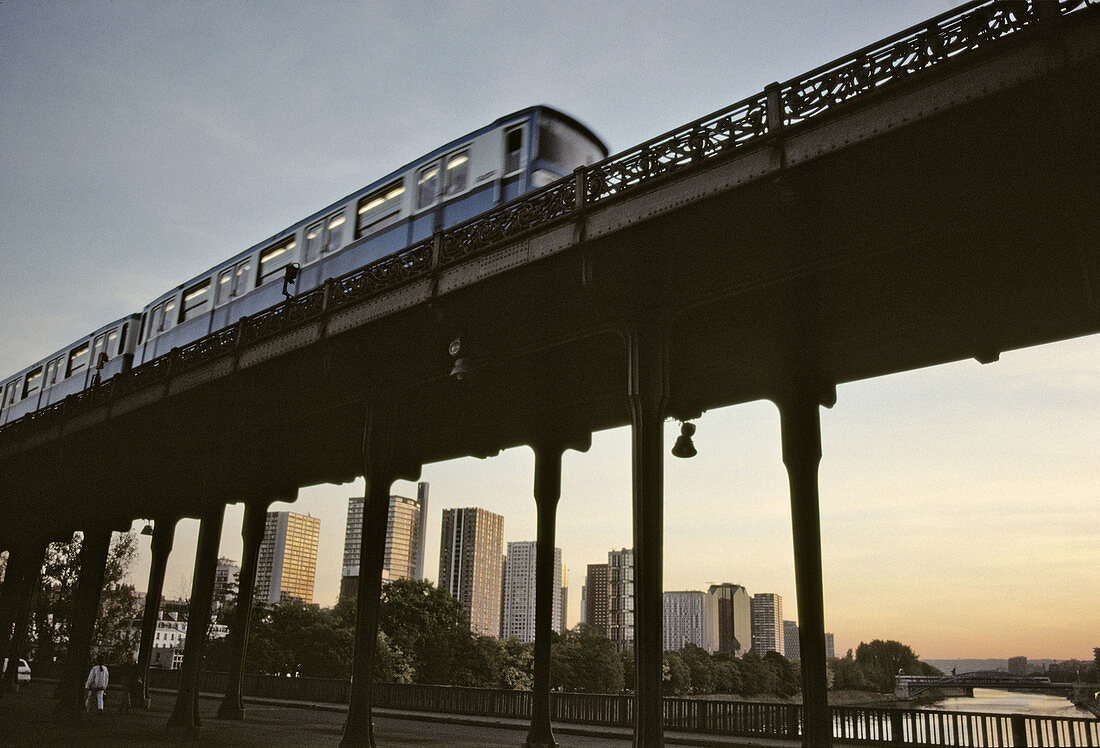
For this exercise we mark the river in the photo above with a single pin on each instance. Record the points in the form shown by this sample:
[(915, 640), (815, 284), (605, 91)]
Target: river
[(990, 700)]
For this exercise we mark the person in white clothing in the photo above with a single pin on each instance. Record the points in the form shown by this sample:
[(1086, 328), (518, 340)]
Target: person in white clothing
[(96, 684)]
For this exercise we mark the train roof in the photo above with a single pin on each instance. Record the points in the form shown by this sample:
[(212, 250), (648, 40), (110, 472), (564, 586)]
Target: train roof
[(432, 154)]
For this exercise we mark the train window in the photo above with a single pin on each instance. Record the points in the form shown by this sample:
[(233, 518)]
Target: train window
[(112, 336), (51, 372), (274, 259), (195, 300), (427, 185), (156, 319), (78, 359), (169, 308), (379, 209), (33, 382), (99, 346), (9, 393), (458, 167), (233, 281), (513, 150), (324, 236)]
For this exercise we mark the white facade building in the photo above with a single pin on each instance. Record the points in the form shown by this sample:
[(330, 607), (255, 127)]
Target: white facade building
[(518, 617), (690, 617)]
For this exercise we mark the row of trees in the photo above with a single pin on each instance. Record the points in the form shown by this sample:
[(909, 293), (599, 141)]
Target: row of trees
[(423, 638)]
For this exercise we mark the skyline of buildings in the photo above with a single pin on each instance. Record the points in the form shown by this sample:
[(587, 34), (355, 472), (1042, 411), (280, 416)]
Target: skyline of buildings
[(497, 590), (287, 562)]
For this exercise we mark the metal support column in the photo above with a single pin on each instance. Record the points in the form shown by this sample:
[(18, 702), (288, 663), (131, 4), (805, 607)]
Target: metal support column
[(379, 472), (648, 397), (24, 600), (9, 592), (164, 531), (801, 432), (547, 493), (185, 718), (252, 532), (93, 563)]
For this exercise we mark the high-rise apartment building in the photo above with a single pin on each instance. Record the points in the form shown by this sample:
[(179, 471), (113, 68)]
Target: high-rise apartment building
[(830, 646), (470, 570), (791, 646), (405, 533), (595, 598), (690, 617), (518, 616), (734, 618), (287, 562), (620, 598), (562, 625), (767, 623)]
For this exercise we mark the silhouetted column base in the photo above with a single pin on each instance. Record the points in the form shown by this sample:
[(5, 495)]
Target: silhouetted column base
[(93, 563), (252, 532), (163, 535), (185, 720), (547, 493), (801, 429), (648, 397)]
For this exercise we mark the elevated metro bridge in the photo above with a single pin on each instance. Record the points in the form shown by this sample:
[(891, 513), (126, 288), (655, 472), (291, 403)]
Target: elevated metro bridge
[(912, 685), (926, 199)]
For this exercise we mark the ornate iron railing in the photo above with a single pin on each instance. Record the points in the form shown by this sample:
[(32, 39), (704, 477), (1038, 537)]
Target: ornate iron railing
[(975, 27), (858, 725)]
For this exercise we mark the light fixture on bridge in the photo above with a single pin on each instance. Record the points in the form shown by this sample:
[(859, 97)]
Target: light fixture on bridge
[(460, 370), (148, 529), (684, 447)]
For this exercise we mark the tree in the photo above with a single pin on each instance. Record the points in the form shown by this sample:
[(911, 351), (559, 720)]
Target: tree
[(675, 676), (428, 625), (702, 667), (49, 632), (880, 661), (787, 678), (847, 675), (585, 660)]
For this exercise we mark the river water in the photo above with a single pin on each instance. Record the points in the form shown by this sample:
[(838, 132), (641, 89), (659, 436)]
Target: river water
[(990, 700)]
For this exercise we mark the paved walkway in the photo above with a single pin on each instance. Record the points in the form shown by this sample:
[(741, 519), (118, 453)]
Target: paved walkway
[(26, 719)]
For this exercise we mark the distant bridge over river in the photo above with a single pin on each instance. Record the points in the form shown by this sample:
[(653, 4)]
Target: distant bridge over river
[(907, 686)]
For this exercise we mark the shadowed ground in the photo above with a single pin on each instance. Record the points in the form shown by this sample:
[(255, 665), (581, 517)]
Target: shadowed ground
[(26, 719)]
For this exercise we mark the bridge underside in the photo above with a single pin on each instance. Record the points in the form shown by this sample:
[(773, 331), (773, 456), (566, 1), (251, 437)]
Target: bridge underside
[(957, 235)]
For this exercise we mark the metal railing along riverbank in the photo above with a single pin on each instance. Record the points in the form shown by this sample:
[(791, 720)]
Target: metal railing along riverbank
[(857, 725)]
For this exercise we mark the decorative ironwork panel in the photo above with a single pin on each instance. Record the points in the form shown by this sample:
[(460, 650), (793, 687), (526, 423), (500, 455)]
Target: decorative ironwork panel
[(913, 51), (535, 209), (382, 275), (692, 144), (206, 349)]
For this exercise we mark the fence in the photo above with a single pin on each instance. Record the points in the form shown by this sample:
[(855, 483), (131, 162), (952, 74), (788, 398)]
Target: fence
[(855, 725)]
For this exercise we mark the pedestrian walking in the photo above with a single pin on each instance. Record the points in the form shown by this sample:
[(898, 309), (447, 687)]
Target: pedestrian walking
[(96, 684)]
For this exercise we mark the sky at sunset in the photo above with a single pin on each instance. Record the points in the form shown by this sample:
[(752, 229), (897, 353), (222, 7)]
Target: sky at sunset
[(142, 143)]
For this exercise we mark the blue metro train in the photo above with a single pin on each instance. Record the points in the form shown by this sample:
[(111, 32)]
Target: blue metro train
[(497, 163)]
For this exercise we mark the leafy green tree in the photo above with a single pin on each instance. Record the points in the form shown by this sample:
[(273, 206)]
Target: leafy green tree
[(787, 678), (518, 665), (881, 661), (702, 669), (727, 674), (585, 660), (847, 675), (675, 676), (48, 635)]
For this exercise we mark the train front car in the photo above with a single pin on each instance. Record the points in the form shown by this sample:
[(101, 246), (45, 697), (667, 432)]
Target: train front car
[(94, 358), (457, 181)]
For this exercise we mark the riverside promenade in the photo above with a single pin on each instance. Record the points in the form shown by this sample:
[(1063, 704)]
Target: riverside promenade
[(26, 719)]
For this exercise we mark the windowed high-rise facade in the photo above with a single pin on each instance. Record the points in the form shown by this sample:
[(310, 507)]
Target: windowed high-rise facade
[(287, 562), (767, 623), (734, 618), (518, 616), (470, 565), (405, 532), (620, 598)]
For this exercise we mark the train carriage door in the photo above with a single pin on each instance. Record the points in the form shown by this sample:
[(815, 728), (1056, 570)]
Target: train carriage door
[(512, 181)]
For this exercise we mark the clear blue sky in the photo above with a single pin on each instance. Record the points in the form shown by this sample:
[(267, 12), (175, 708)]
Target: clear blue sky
[(144, 142)]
